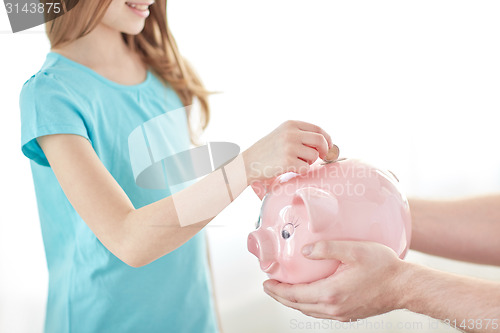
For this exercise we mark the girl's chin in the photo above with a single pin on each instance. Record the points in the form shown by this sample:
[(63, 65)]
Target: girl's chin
[(134, 30)]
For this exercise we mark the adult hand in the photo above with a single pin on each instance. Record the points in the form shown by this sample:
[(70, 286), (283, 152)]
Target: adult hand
[(368, 282)]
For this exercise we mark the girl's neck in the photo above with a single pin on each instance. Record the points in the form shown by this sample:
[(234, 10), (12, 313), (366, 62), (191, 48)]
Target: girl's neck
[(104, 51), (102, 47)]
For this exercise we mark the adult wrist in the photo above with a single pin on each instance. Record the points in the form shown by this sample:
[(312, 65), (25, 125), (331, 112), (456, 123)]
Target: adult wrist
[(404, 285)]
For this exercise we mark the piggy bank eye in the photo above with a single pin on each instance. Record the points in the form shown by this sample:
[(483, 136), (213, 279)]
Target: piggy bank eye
[(287, 230), (258, 223)]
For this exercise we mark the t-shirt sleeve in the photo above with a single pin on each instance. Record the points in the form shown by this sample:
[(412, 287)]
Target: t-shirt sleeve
[(48, 107)]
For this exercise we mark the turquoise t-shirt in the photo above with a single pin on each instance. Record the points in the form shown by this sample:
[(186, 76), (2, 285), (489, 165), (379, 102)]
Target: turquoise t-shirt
[(90, 289)]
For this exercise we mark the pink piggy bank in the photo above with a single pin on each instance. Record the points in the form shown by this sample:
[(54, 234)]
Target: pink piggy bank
[(345, 200)]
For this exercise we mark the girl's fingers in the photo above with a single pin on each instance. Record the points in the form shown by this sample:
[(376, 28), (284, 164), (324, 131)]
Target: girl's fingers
[(317, 141), (316, 129), (308, 154)]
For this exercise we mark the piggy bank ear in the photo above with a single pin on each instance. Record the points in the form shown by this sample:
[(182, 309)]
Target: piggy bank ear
[(262, 187), (321, 207)]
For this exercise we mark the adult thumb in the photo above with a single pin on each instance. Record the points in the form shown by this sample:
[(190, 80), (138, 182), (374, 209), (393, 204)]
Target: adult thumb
[(339, 250)]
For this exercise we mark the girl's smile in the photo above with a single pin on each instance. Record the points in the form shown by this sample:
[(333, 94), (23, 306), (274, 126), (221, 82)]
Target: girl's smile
[(141, 9)]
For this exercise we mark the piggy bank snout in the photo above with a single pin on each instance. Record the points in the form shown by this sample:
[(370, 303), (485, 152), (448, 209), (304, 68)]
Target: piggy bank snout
[(253, 246), (261, 246)]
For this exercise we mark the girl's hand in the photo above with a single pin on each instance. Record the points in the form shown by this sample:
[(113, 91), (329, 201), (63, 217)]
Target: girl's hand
[(293, 146)]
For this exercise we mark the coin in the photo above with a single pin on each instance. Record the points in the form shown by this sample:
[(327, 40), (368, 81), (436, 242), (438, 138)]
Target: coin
[(332, 155)]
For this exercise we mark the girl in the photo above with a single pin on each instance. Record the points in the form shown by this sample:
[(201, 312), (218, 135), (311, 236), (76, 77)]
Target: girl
[(122, 258)]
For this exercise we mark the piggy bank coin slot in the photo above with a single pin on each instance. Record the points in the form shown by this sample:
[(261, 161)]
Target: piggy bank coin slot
[(332, 155)]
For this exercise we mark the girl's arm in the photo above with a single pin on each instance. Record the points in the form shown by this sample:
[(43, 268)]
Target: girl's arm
[(466, 229), (140, 236)]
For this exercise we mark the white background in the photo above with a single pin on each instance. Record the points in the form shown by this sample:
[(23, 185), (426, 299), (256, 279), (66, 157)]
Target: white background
[(412, 86)]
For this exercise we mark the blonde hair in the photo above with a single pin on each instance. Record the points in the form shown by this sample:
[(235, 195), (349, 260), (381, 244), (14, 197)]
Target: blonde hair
[(154, 44)]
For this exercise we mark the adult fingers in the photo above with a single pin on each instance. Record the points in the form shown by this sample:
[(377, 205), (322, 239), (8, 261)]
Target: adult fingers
[(297, 293), (318, 310), (344, 251)]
